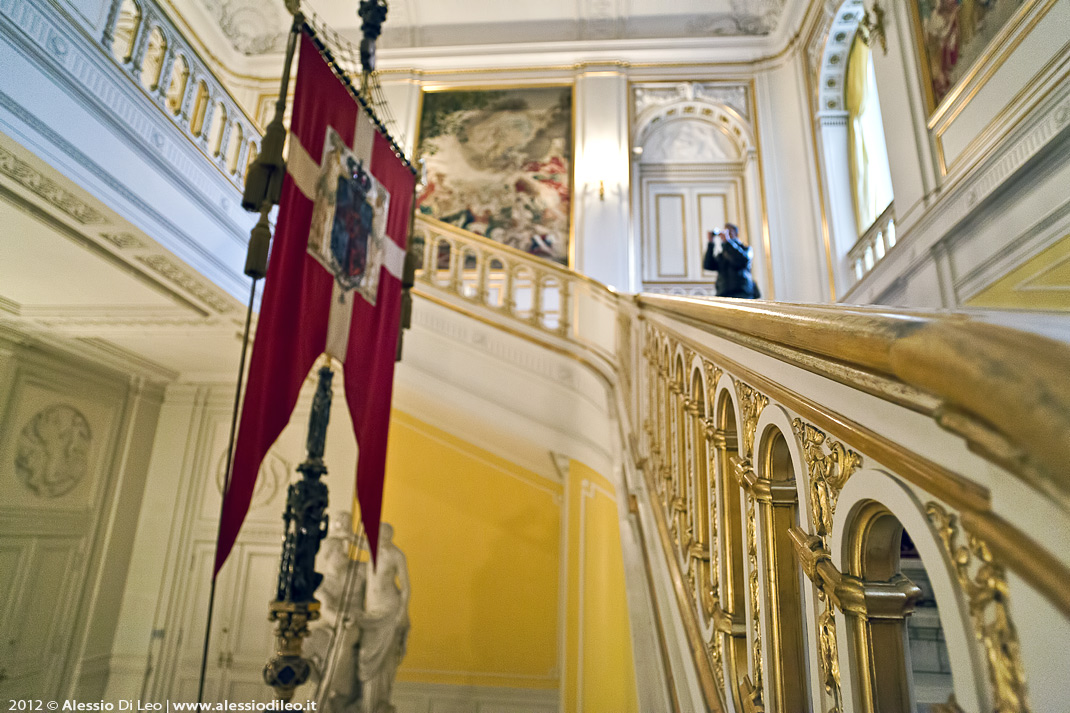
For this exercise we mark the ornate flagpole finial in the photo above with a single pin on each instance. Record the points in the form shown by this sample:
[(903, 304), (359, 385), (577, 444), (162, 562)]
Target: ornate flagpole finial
[(373, 15), (295, 605)]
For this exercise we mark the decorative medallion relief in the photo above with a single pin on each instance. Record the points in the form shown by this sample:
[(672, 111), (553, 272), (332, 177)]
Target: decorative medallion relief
[(984, 583), (273, 476), (52, 455)]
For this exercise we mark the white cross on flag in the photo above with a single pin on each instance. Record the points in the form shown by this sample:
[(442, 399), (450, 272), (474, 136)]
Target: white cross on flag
[(333, 285)]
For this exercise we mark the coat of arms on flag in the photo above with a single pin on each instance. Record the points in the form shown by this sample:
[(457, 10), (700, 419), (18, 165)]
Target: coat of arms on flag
[(348, 220)]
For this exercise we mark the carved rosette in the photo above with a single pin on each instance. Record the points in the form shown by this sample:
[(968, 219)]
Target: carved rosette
[(751, 403), (755, 594), (985, 584)]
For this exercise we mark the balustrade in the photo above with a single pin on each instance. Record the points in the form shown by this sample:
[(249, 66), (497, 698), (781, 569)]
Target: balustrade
[(799, 581), (516, 286), (152, 52), (873, 245), (817, 475)]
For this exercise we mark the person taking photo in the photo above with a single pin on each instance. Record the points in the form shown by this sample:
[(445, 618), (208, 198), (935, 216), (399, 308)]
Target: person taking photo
[(731, 258)]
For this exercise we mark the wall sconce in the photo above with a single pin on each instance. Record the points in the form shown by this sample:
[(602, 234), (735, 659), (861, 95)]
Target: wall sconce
[(872, 26), (601, 190)]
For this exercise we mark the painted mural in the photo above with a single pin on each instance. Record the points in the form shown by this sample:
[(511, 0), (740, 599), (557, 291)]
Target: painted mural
[(499, 163), (955, 34)]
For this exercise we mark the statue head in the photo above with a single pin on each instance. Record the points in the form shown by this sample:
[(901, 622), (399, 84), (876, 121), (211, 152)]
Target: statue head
[(341, 524), (386, 533)]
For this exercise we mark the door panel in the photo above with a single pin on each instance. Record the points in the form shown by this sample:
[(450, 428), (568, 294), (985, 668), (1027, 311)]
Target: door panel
[(670, 233), (37, 627)]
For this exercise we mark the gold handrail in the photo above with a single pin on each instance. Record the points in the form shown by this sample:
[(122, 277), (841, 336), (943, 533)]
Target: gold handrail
[(962, 362)]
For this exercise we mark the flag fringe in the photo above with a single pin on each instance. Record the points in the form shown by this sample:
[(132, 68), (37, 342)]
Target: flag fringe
[(318, 40)]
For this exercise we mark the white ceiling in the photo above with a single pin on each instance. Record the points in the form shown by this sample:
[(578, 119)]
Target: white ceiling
[(258, 27)]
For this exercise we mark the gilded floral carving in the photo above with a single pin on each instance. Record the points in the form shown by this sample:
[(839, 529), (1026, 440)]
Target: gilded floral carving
[(751, 403), (830, 464), (985, 584), (755, 594), (828, 658)]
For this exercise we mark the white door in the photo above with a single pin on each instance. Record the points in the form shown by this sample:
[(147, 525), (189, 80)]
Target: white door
[(242, 637), (677, 215), (40, 583)]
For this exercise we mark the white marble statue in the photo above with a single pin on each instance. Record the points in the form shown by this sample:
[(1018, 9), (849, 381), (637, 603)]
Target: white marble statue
[(383, 625), (373, 634)]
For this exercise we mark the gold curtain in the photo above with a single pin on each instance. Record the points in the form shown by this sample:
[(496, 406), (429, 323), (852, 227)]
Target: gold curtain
[(857, 65)]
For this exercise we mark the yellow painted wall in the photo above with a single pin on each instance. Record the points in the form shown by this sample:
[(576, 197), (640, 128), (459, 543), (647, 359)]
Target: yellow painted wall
[(600, 672), (1040, 283), (482, 537)]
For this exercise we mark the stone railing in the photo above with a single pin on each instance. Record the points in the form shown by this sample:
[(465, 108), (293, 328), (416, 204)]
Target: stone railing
[(516, 287), (858, 509), (153, 53), (873, 245)]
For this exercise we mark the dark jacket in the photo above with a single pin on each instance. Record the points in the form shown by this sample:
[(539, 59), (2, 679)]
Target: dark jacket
[(733, 269)]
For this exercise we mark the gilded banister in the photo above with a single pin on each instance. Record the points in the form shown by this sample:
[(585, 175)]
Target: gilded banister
[(753, 475), (912, 354), (782, 513)]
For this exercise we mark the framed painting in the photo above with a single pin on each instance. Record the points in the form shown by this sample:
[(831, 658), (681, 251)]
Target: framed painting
[(954, 36), (499, 163)]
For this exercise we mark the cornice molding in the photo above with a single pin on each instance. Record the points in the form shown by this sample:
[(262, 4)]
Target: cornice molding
[(110, 239), (83, 73)]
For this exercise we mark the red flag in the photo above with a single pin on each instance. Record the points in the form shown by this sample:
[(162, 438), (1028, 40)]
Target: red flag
[(333, 285)]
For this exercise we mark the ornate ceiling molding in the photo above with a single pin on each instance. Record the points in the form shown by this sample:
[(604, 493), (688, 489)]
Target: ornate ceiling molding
[(828, 51), (725, 107), (255, 28)]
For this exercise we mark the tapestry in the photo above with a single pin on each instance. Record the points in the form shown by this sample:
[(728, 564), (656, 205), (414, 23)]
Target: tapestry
[(499, 163), (955, 33)]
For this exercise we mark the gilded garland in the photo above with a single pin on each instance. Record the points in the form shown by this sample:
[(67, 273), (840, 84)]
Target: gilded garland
[(987, 593), (829, 464), (755, 595)]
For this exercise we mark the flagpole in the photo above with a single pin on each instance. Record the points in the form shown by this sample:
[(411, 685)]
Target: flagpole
[(226, 482), (263, 188)]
